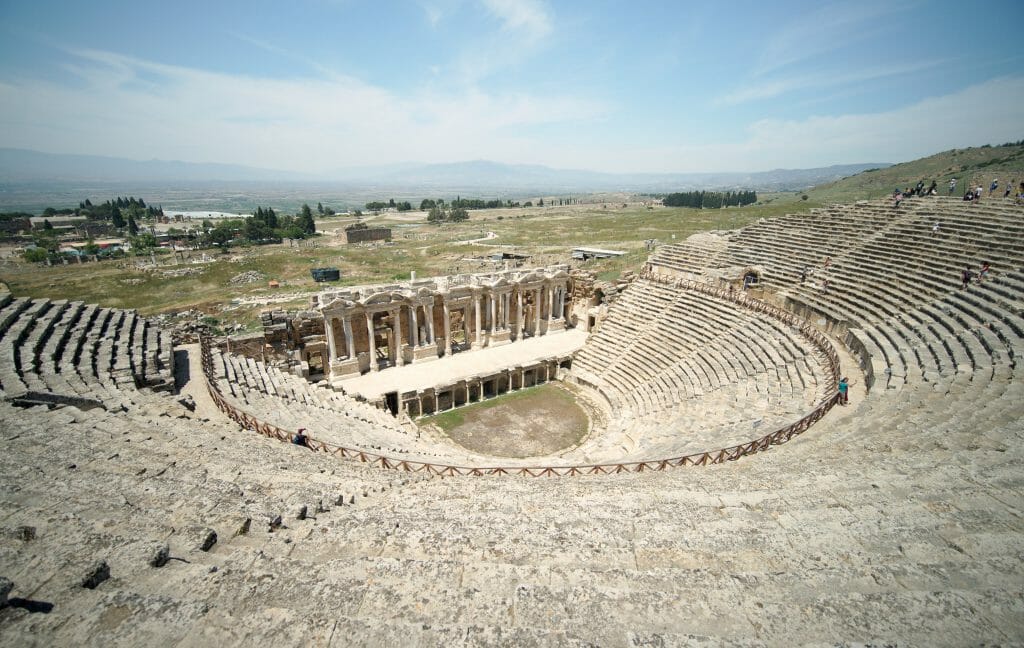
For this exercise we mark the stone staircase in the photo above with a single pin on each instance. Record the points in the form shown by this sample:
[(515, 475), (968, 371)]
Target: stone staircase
[(897, 520)]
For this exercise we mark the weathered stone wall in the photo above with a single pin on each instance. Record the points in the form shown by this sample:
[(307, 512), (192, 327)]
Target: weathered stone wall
[(591, 297), (369, 234), (250, 345), (284, 332)]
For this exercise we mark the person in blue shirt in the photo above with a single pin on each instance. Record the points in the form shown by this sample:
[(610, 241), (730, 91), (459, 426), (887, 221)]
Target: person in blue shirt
[(844, 391)]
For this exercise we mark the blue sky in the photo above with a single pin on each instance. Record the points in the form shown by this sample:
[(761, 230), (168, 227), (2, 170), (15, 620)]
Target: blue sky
[(602, 84)]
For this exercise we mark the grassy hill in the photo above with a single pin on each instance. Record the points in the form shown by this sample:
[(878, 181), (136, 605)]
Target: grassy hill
[(971, 165)]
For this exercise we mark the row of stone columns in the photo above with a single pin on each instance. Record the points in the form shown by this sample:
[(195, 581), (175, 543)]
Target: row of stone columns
[(473, 390), (499, 310)]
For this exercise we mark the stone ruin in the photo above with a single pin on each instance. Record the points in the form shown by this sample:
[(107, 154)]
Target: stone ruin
[(725, 500)]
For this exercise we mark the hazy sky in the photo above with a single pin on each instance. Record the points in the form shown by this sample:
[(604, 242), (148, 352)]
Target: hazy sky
[(598, 84)]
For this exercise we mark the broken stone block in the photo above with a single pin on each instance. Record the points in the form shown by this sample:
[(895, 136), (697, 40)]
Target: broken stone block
[(5, 588), (209, 538), (243, 528), (96, 573), (160, 555)]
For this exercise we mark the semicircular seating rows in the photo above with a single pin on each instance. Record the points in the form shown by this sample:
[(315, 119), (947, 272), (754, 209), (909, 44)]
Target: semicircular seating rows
[(894, 290), (685, 371), (66, 349), (896, 521)]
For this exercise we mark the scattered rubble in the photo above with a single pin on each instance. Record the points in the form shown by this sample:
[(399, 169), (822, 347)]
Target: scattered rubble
[(247, 277), (182, 272)]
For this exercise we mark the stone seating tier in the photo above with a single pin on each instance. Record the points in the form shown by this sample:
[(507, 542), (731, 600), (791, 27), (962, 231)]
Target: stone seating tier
[(70, 349), (893, 521)]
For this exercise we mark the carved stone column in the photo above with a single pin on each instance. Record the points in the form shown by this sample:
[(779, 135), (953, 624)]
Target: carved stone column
[(536, 315), (428, 312), (347, 324), (494, 313), (414, 325), (477, 302), (331, 345), (373, 341), (447, 328), (396, 336)]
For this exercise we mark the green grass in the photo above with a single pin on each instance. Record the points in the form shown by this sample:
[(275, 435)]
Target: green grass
[(548, 233), (453, 418), (969, 166)]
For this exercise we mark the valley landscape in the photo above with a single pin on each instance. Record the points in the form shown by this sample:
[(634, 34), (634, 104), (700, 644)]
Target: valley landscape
[(543, 334)]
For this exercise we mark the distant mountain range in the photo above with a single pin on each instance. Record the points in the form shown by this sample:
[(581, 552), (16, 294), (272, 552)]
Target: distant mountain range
[(22, 165), (25, 166)]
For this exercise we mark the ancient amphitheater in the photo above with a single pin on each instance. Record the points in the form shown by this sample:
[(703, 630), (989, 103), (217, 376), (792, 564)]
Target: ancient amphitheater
[(720, 497)]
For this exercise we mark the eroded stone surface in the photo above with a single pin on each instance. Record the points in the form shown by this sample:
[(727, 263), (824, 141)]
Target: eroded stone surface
[(894, 521)]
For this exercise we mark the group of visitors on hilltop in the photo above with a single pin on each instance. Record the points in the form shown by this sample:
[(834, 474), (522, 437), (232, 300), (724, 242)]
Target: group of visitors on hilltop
[(973, 193), (899, 195)]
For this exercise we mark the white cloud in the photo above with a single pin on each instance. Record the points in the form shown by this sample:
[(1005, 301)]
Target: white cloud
[(985, 113), (433, 13), (135, 108), (826, 28), (779, 86), (529, 15), (525, 25)]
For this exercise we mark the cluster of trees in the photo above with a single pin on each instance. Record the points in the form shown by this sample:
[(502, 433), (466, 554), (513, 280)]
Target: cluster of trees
[(467, 203), (264, 226), (710, 199), (378, 205), (440, 214), (123, 214), (324, 211), (119, 212), (460, 203)]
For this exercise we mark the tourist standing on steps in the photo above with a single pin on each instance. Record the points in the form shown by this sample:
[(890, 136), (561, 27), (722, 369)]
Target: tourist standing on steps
[(992, 188), (966, 276), (897, 197), (952, 186), (983, 273), (844, 391)]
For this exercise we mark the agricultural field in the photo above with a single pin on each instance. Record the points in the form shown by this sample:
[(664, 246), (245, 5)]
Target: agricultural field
[(204, 280)]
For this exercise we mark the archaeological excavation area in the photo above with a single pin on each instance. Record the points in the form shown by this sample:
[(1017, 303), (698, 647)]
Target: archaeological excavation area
[(713, 489)]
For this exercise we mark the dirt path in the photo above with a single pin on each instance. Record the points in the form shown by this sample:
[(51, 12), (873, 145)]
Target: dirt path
[(490, 235)]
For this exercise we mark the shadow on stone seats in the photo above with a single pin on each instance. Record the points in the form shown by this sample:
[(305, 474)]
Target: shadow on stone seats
[(182, 372), (30, 605)]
